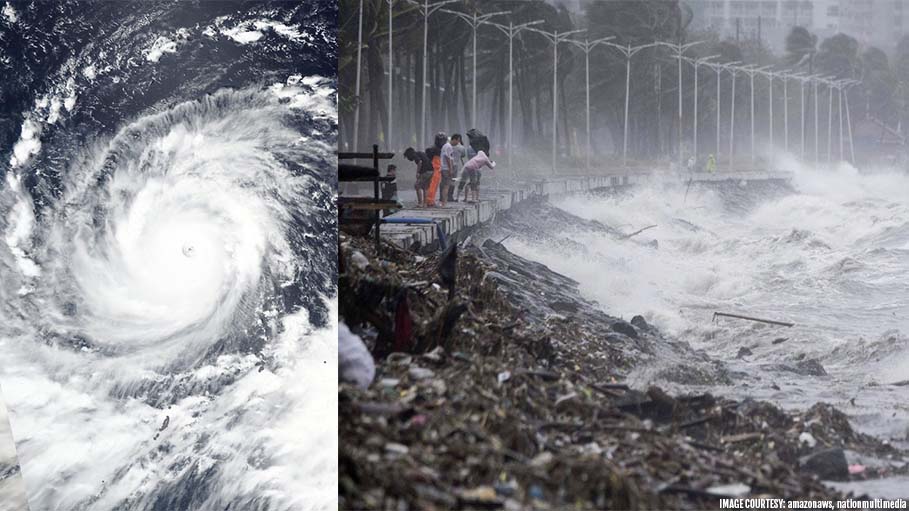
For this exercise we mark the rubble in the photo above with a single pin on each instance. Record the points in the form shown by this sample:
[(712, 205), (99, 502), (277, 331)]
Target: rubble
[(511, 395)]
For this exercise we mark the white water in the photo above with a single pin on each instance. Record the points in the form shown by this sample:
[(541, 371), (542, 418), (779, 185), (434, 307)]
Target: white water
[(149, 293), (832, 257)]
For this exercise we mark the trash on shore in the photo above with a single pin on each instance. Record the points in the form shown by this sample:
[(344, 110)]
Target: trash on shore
[(511, 395)]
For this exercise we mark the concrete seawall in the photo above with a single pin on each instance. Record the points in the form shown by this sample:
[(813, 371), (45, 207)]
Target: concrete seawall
[(458, 219)]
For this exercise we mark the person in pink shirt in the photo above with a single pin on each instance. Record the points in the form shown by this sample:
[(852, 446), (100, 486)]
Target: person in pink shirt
[(472, 174)]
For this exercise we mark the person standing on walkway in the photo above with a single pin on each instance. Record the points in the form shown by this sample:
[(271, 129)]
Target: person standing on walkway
[(472, 173), (711, 163), (448, 167), (424, 173), (457, 159), (435, 155)]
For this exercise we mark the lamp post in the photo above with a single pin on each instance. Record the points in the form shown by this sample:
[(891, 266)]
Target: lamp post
[(586, 45), (732, 70), (628, 51), (555, 38), (751, 70), (849, 83), (356, 126), (680, 49), (426, 9), (391, 71), (510, 31), (786, 78), (770, 74), (474, 21), (718, 68), (830, 85), (815, 80), (696, 62)]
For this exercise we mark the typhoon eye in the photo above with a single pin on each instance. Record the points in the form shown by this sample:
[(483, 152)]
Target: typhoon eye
[(167, 259)]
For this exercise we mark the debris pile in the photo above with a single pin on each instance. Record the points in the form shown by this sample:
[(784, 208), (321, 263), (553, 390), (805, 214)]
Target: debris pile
[(509, 394)]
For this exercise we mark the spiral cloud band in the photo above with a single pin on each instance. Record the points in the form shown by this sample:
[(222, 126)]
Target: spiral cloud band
[(168, 298)]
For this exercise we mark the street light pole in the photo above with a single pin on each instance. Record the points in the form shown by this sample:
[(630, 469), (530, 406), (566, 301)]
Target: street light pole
[(628, 51), (815, 81), (426, 9), (839, 90), (770, 74), (356, 126), (732, 70), (586, 46), (391, 71), (555, 38), (829, 120), (751, 70), (679, 50), (510, 32), (474, 21), (850, 83), (696, 62)]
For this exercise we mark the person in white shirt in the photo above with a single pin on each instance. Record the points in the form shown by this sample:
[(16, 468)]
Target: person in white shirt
[(472, 173), (457, 158), (448, 167)]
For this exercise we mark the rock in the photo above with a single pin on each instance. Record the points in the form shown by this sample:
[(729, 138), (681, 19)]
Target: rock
[(743, 352), (623, 327), (810, 367), (420, 373), (829, 464), (779, 340), (639, 322)]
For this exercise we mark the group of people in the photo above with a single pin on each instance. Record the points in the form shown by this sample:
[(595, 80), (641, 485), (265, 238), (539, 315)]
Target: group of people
[(443, 164), (709, 165)]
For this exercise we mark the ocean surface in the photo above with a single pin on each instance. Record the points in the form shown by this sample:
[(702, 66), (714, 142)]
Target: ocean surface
[(829, 252), (168, 255)]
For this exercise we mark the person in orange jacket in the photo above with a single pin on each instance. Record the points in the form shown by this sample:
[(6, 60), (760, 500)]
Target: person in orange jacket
[(435, 153)]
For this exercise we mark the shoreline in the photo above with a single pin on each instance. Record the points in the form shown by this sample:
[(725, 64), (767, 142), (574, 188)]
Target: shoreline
[(513, 396)]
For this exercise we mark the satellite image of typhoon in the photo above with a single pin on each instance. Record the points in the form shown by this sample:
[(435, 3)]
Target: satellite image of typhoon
[(168, 255)]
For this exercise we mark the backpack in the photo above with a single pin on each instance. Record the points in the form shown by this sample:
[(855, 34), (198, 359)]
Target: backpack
[(478, 141)]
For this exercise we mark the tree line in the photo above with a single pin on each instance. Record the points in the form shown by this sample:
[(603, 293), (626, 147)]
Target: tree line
[(653, 122)]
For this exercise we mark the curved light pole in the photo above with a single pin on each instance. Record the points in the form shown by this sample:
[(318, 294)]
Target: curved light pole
[(732, 70), (850, 83), (751, 70), (830, 84), (426, 9), (696, 62), (391, 71), (586, 45), (680, 49), (814, 81), (474, 21), (786, 77), (803, 80), (718, 68), (555, 38), (628, 51), (356, 126), (510, 31)]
